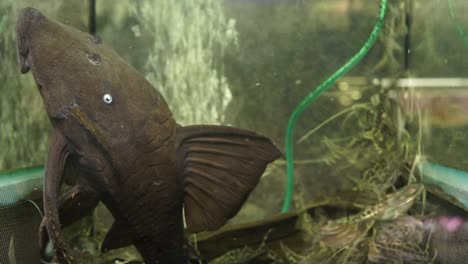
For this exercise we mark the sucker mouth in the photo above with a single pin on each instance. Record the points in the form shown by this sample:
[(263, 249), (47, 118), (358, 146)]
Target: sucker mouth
[(24, 61), (65, 112), (26, 19)]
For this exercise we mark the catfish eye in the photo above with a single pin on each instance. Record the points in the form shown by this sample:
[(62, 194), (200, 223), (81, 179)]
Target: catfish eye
[(107, 98), (95, 39), (94, 58)]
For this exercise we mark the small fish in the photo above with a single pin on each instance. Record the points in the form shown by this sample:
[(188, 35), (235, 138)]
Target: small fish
[(401, 240), (345, 230), (247, 254), (398, 251), (239, 256), (432, 239)]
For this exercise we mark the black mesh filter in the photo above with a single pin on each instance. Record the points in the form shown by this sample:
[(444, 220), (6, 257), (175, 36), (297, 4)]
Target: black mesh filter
[(19, 234), (449, 239), (20, 200)]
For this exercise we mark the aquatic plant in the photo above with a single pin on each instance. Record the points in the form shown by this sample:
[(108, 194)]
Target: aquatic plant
[(185, 61), (315, 93), (3, 21), (458, 27), (23, 123), (392, 36)]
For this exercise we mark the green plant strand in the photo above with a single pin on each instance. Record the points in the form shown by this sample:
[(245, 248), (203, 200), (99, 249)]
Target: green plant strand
[(458, 27), (314, 94), (3, 22), (10, 177)]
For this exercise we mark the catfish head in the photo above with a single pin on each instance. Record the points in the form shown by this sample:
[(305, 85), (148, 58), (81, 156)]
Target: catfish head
[(85, 86)]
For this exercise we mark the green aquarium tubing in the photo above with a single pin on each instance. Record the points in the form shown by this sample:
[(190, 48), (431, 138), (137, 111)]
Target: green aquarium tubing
[(449, 183), (20, 184), (314, 94), (458, 27)]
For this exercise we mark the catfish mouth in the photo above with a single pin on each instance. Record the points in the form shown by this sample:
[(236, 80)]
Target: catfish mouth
[(24, 61), (23, 53), (27, 17)]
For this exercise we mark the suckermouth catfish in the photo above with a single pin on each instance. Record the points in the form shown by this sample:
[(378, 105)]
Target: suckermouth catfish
[(117, 132)]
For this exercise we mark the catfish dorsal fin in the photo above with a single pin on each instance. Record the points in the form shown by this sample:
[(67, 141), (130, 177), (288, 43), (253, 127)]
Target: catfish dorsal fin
[(221, 166)]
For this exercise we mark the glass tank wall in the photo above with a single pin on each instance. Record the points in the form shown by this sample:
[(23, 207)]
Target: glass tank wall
[(398, 117)]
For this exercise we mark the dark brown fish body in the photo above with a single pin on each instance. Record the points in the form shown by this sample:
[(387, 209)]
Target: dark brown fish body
[(118, 133)]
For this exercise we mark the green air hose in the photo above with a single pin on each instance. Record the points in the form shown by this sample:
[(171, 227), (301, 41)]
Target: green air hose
[(20, 184), (458, 27), (314, 94), (12, 177)]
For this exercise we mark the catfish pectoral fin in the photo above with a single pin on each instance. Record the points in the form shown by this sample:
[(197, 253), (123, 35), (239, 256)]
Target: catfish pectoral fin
[(54, 169), (221, 166), (76, 203), (43, 241)]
